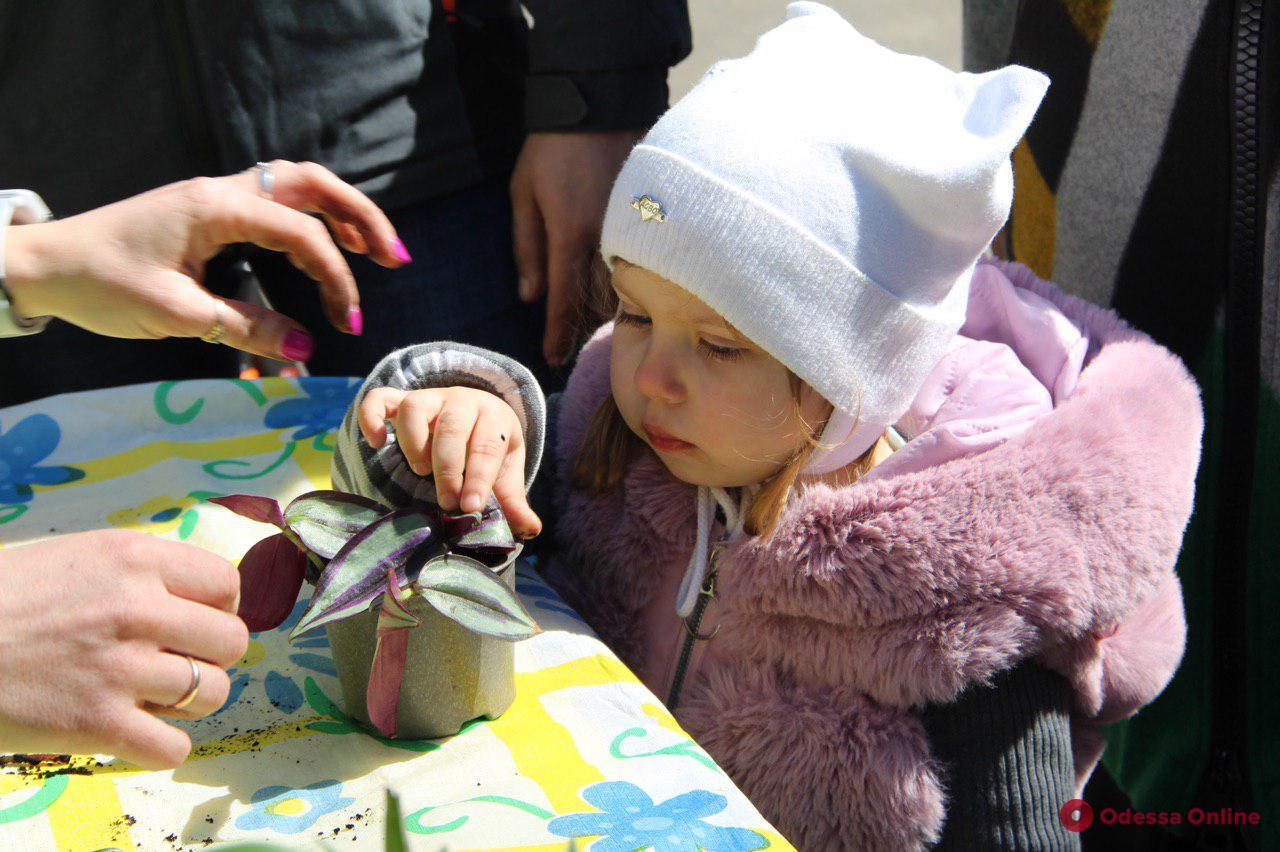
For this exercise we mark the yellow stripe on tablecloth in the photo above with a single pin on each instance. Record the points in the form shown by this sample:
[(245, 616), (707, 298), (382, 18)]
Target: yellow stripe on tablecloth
[(542, 748), (89, 816), (593, 670), (130, 461)]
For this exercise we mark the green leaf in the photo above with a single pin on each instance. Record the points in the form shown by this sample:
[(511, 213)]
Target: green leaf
[(470, 593), (325, 726), (395, 841), (327, 520), (355, 575)]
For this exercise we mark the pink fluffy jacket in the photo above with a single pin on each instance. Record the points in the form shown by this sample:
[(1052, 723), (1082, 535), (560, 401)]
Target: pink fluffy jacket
[(1035, 512)]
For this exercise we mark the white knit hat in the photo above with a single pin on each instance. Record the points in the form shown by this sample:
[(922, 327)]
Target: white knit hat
[(829, 198)]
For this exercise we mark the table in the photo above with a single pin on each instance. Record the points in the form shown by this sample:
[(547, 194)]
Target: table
[(586, 748)]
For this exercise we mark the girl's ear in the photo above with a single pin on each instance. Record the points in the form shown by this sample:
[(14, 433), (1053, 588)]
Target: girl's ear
[(813, 408)]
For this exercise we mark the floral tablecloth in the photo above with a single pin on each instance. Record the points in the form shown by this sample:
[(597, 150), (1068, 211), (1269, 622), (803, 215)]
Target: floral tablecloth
[(586, 752)]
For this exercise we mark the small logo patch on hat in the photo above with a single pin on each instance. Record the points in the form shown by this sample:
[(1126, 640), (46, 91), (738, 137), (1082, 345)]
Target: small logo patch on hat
[(649, 209)]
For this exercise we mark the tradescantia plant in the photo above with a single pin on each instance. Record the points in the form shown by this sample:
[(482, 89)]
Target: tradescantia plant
[(359, 552)]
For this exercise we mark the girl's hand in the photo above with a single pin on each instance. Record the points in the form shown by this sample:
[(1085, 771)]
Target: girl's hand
[(135, 268), (95, 628), (469, 439)]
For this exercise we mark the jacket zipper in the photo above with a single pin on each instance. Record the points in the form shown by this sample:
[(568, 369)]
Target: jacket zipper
[(691, 625)]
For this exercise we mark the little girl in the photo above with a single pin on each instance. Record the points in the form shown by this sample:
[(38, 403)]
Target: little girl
[(891, 528)]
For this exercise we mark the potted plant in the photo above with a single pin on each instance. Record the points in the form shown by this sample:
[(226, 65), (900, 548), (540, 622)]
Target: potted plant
[(420, 604)]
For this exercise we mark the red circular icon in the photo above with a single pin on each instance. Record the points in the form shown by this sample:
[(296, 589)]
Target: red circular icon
[(1076, 815)]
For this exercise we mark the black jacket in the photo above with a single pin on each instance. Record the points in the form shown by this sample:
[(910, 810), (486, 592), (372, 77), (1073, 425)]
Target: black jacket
[(408, 99)]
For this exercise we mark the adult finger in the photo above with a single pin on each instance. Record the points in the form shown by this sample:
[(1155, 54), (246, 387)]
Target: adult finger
[(245, 326), (310, 186), (164, 679), (450, 434), (197, 576), (568, 265), (414, 430), (139, 737), (510, 493), (486, 450), (348, 236), (243, 217), (203, 632), (529, 241), (378, 406)]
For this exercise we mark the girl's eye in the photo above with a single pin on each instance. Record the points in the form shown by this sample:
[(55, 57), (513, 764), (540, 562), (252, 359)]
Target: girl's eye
[(720, 353), (625, 318)]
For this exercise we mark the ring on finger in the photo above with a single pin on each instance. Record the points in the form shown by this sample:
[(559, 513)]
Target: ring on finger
[(266, 176), (218, 330), (192, 690)]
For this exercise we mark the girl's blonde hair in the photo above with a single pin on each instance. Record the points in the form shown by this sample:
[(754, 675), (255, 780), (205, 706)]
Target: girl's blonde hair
[(609, 446)]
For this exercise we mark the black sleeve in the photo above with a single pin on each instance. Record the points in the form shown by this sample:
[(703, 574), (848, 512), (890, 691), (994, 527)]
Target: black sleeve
[(1007, 765), (542, 491), (602, 64)]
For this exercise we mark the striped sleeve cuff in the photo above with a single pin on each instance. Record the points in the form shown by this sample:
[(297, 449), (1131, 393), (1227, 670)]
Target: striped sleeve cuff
[(384, 474)]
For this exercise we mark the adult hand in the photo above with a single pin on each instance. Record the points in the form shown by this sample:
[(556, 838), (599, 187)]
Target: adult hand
[(134, 268), (559, 191), (93, 627)]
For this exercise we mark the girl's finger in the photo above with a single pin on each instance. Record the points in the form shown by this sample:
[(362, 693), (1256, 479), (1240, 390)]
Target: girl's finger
[(487, 448), (451, 433), (414, 429), (378, 406), (164, 679), (510, 493)]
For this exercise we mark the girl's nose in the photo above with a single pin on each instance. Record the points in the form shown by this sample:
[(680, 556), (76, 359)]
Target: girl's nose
[(656, 376)]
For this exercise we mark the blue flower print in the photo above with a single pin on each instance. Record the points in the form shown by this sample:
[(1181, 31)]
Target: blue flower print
[(288, 810), (21, 449), (321, 410), (281, 689), (630, 821)]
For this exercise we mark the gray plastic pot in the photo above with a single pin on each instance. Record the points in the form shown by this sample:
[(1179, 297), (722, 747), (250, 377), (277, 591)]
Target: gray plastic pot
[(451, 675)]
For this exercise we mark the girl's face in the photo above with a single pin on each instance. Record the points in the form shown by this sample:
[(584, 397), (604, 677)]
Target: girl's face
[(717, 409)]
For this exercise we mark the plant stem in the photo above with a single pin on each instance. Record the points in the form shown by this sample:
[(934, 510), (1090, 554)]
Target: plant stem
[(315, 558)]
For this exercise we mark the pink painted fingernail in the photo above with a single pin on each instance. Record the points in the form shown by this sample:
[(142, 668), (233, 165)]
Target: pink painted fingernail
[(355, 320), (297, 346), (401, 253)]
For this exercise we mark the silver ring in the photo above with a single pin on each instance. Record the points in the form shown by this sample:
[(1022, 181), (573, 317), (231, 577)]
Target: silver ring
[(266, 178), (190, 694), (217, 331)]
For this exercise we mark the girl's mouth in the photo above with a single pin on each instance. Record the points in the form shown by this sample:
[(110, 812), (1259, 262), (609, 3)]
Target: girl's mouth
[(664, 441)]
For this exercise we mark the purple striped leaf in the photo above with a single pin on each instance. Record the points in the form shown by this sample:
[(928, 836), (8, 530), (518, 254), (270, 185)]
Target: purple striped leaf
[(327, 520), (481, 535), (355, 575), (263, 509), (470, 593), (270, 576)]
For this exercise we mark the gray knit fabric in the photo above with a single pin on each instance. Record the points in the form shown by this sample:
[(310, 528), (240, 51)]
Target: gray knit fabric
[(384, 474), (1006, 752)]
